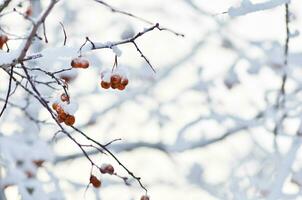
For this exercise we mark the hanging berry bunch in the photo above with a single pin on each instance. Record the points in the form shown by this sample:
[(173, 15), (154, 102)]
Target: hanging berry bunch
[(104, 169), (65, 110), (116, 79), (80, 62)]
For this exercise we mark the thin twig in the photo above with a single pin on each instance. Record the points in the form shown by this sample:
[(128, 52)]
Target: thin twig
[(65, 35), (8, 91)]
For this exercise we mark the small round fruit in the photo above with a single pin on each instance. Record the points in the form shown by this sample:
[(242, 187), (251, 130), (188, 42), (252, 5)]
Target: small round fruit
[(60, 120), (95, 181), (105, 85), (62, 116), (121, 87), (124, 81), (79, 63), (107, 169), (64, 97), (60, 110), (114, 85), (145, 197), (115, 79), (3, 40), (70, 120), (55, 106), (84, 63)]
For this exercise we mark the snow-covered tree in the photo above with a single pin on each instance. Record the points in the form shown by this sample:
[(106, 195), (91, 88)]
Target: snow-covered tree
[(178, 99)]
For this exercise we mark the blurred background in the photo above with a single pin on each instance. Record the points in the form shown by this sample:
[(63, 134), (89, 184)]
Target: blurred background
[(201, 127)]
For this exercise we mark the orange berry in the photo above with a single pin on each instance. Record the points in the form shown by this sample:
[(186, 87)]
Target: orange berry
[(60, 110), (145, 197), (64, 97), (75, 63), (79, 63), (84, 63), (115, 79), (95, 181), (105, 85), (55, 106), (62, 116), (70, 120)]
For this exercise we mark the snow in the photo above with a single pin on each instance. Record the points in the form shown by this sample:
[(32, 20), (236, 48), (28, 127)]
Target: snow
[(117, 51), (122, 71), (19, 151), (70, 108), (128, 33), (8, 57), (106, 75), (247, 7)]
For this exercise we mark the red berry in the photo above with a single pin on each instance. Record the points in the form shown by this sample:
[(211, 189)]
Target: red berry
[(124, 81), (145, 197), (64, 97), (105, 85), (121, 87), (79, 63), (3, 40), (95, 181), (70, 120), (115, 79), (60, 110), (55, 106), (114, 85), (84, 63), (62, 117), (107, 169)]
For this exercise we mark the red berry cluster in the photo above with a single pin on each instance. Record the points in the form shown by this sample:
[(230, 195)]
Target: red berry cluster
[(3, 40), (79, 63), (68, 119), (113, 80)]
